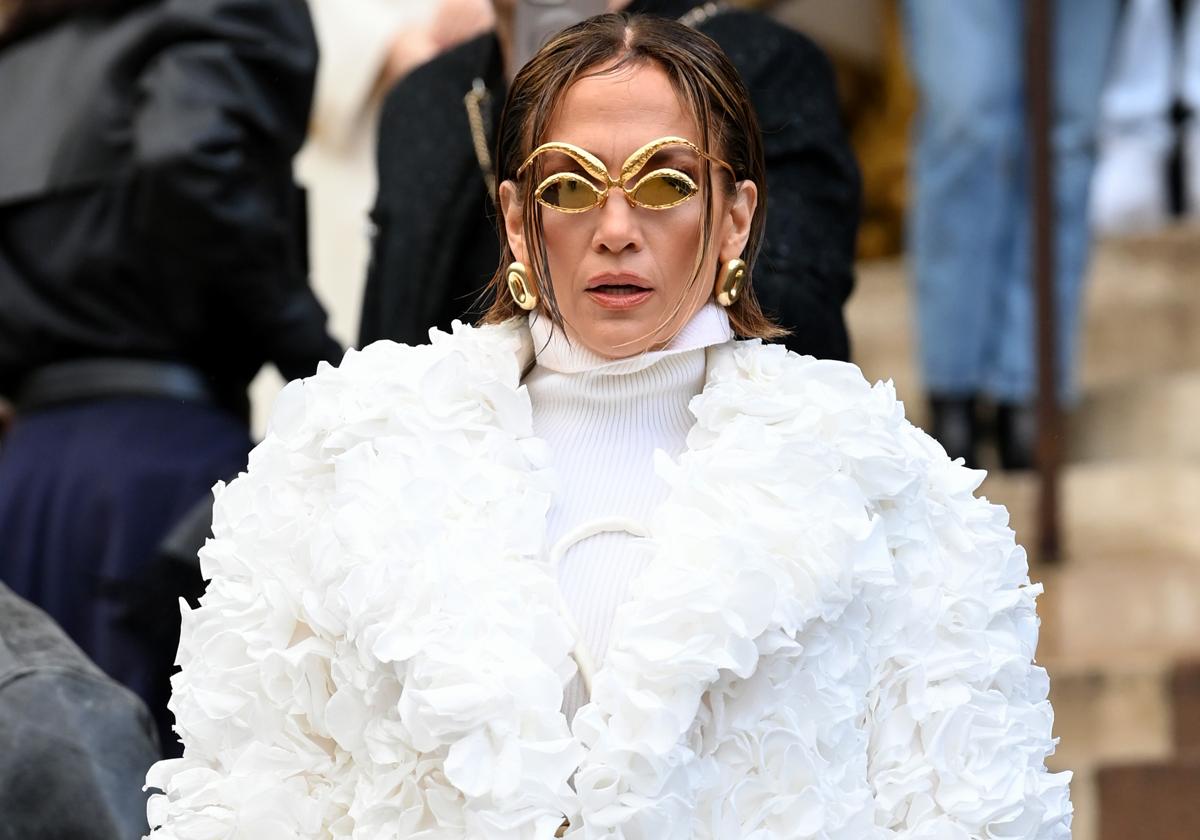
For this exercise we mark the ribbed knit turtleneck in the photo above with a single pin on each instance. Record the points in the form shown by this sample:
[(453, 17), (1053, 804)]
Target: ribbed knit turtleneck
[(603, 420)]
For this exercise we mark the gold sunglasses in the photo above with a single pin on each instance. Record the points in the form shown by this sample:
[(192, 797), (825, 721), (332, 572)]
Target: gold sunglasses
[(661, 189)]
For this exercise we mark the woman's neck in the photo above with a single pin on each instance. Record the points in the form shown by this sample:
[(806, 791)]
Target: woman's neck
[(555, 349)]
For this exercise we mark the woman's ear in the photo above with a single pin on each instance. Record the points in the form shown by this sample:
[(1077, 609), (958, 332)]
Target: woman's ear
[(739, 215), (514, 222)]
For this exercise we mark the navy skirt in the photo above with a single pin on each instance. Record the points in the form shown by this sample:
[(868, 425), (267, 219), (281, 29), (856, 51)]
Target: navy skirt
[(88, 491)]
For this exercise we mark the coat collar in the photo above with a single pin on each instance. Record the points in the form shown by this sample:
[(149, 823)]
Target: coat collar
[(722, 530)]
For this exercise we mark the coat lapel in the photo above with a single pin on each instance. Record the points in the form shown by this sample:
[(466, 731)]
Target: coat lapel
[(731, 580)]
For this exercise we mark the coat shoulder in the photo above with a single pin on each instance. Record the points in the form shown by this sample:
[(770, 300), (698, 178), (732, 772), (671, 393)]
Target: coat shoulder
[(435, 89), (803, 404), (386, 376)]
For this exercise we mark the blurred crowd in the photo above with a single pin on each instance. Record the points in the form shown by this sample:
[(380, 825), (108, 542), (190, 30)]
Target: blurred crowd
[(193, 189)]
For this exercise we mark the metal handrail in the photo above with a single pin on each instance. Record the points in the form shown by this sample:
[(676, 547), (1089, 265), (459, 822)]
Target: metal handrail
[(1039, 88)]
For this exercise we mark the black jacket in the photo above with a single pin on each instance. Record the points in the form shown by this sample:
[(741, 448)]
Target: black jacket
[(435, 236), (74, 745), (147, 206)]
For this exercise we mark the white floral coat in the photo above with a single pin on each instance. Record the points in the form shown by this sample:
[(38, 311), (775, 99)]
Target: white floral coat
[(834, 639)]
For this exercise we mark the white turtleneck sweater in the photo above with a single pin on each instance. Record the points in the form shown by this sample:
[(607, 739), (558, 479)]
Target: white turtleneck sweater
[(603, 420)]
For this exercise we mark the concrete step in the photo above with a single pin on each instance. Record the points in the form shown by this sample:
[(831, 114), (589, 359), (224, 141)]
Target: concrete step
[(1118, 716), (1108, 709), (1125, 510), (1158, 265), (1143, 308), (1084, 822), (1151, 418), (1159, 800), (1121, 606), (1185, 708)]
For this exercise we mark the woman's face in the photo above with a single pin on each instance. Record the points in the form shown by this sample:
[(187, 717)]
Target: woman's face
[(621, 273)]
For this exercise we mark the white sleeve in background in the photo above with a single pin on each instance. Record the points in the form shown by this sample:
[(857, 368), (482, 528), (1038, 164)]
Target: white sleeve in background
[(1129, 186), (1140, 84), (354, 37)]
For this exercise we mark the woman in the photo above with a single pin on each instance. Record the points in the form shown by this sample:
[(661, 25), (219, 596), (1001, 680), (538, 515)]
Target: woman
[(150, 263), (606, 571)]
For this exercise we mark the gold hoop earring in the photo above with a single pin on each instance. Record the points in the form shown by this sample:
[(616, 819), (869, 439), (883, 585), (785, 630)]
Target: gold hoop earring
[(730, 283), (520, 288)]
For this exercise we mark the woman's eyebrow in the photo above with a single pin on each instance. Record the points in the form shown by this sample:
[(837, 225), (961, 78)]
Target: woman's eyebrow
[(561, 162), (671, 154), (679, 158)]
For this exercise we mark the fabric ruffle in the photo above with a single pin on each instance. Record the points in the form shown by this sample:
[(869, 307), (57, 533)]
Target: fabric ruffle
[(379, 648), (834, 640)]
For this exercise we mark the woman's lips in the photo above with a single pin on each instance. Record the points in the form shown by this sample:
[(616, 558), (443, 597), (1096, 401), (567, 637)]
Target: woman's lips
[(618, 296), (618, 290)]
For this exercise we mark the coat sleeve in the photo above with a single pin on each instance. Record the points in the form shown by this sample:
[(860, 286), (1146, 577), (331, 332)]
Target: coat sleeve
[(74, 767), (223, 107), (805, 271), (959, 723), (74, 745)]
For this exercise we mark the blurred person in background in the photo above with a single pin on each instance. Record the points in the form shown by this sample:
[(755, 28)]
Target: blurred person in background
[(971, 224), (366, 47), (74, 744), (151, 261), (435, 242), (1156, 65)]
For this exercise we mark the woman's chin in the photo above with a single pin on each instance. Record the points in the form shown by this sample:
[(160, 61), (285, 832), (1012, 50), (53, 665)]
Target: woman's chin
[(622, 341), (622, 334)]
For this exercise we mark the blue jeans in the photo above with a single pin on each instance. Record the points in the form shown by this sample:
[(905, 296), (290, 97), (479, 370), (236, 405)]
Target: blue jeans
[(971, 222)]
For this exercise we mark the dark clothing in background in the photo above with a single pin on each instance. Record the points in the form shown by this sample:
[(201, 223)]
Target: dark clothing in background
[(147, 207), (147, 211), (88, 491), (74, 745), (436, 244)]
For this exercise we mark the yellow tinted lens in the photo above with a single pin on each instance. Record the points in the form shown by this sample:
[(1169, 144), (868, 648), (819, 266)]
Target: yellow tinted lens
[(663, 189), (568, 192)]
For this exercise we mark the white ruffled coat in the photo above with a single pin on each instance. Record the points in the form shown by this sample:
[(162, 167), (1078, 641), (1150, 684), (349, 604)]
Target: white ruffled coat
[(834, 639)]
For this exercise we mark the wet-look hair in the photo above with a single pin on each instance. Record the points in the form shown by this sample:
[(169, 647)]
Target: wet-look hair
[(711, 90)]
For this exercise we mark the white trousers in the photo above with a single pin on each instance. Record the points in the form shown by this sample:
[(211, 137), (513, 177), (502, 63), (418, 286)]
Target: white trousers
[(1154, 62)]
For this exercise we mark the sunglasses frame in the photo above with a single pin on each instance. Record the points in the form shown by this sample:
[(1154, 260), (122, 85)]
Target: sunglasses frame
[(594, 167)]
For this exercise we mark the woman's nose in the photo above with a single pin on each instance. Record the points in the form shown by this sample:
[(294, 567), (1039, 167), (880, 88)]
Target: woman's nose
[(617, 226)]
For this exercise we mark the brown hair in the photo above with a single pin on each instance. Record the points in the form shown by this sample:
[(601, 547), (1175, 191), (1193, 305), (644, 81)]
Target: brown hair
[(704, 79)]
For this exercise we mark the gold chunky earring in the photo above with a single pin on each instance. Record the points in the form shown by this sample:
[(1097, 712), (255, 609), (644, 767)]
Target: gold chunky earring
[(520, 288), (730, 283)]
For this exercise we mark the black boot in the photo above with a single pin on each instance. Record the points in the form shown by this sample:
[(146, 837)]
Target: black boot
[(955, 427), (1016, 435)]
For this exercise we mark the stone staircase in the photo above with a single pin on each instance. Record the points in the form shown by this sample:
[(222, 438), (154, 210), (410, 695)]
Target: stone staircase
[(1121, 613)]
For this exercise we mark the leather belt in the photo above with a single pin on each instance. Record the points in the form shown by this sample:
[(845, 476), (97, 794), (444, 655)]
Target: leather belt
[(92, 379)]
